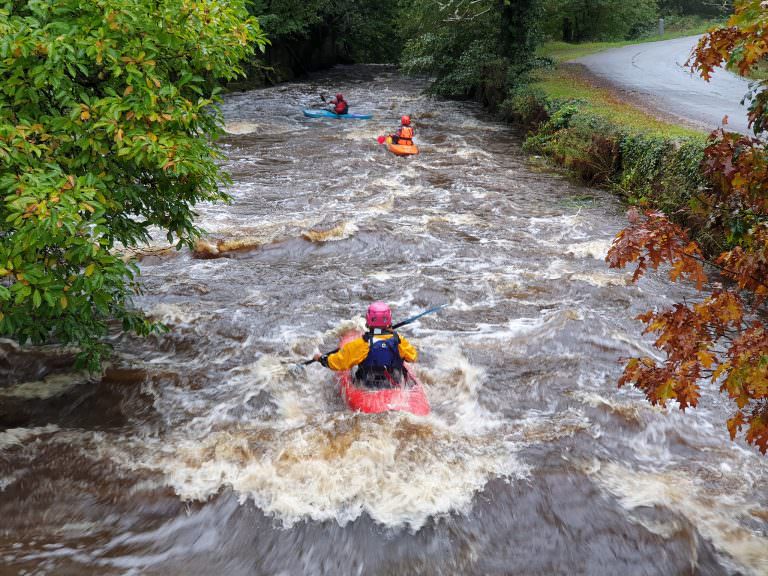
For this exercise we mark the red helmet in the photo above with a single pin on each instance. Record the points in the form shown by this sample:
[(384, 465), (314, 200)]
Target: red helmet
[(378, 315), (339, 96), (406, 120)]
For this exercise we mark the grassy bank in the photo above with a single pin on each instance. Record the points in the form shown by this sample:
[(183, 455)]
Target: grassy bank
[(570, 84), (602, 139)]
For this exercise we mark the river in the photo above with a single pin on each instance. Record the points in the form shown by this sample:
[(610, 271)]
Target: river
[(198, 452)]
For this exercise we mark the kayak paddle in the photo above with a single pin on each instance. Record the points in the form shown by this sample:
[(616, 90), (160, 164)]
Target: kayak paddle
[(394, 327), (381, 139), (414, 318)]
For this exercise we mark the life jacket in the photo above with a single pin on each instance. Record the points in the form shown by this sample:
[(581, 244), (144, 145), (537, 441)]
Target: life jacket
[(383, 367), (405, 135), (341, 107)]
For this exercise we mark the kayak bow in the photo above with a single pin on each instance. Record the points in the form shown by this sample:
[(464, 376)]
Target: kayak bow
[(401, 149), (410, 397)]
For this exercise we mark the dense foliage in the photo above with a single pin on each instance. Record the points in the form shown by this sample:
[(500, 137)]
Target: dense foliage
[(107, 111), (711, 8), (475, 49), (723, 337), (579, 20), (301, 31)]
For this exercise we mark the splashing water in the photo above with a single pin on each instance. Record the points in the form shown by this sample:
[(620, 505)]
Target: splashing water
[(203, 451)]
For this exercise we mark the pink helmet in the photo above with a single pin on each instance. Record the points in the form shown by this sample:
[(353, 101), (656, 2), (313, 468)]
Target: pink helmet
[(379, 315)]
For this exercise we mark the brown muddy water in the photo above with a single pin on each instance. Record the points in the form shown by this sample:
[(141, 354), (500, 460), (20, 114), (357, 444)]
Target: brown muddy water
[(197, 453)]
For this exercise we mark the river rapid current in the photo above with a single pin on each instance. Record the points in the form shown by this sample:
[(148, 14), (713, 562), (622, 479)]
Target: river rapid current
[(198, 452)]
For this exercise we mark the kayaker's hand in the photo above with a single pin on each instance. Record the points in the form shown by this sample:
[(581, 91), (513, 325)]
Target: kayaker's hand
[(322, 358)]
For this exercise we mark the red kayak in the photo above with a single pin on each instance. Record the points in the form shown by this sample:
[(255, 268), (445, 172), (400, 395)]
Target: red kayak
[(407, 398)]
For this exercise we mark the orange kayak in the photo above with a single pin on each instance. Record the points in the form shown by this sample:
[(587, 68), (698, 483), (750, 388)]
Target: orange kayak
[(410, 397), (400, 149)]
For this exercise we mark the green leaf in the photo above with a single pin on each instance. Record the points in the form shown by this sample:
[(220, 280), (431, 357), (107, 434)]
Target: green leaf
[(72, 189)]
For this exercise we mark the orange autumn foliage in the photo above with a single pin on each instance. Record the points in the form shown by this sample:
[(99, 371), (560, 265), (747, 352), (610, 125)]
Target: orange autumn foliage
[(741, 45), (723, 338)]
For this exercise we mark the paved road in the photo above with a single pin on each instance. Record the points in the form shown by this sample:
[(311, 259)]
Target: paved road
[(655, 72)]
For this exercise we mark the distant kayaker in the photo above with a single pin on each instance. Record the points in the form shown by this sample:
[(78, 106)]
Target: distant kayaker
[(379, 354), (340, 106), (404, 136)]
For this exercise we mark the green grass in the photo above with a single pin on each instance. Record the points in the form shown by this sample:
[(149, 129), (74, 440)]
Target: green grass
[(564, 52), (565, 84)]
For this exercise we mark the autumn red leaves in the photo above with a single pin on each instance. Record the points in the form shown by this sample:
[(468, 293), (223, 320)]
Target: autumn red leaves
[(723, 338)]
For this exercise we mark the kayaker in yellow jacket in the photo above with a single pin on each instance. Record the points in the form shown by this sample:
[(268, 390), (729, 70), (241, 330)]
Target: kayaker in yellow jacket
[(379, 354)]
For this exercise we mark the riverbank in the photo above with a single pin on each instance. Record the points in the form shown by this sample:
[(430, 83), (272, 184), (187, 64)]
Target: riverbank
[(609, 138)]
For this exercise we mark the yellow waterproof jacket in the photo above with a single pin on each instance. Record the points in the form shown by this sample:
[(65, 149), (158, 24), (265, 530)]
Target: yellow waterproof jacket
[(355, 351)]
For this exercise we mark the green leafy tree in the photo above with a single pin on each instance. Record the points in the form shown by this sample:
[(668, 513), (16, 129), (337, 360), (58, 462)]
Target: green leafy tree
[(474, 49), (580, 20), (357, 30), (371, 31), (696, 7), (286, 19), (107, 119)]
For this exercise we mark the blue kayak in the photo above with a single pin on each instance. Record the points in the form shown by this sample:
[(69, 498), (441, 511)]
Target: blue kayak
[(329, 114)]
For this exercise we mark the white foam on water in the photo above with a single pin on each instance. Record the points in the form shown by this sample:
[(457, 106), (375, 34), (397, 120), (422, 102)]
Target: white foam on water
[(601, 279), (242, 127), (259, 375), (48, 387), (176, 315), (633, 410), (362, 132), (382, 276), (454, 384), (310, 458), (340, 232), (715, 514), (271, 125), (231, 231), (597, 249), (636, 345), (523, 328), (14, 437), (471, 153), (561, 269), (254, 297), (399, 469), (539, 427), (9, 479), (455, 218), (384, 206), (550, 230), (395, 468)]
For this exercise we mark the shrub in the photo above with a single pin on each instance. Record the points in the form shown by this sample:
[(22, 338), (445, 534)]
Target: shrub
[(107, 115)]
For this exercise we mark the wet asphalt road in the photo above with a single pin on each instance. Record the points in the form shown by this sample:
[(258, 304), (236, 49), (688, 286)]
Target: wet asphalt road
[(656, 73)]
